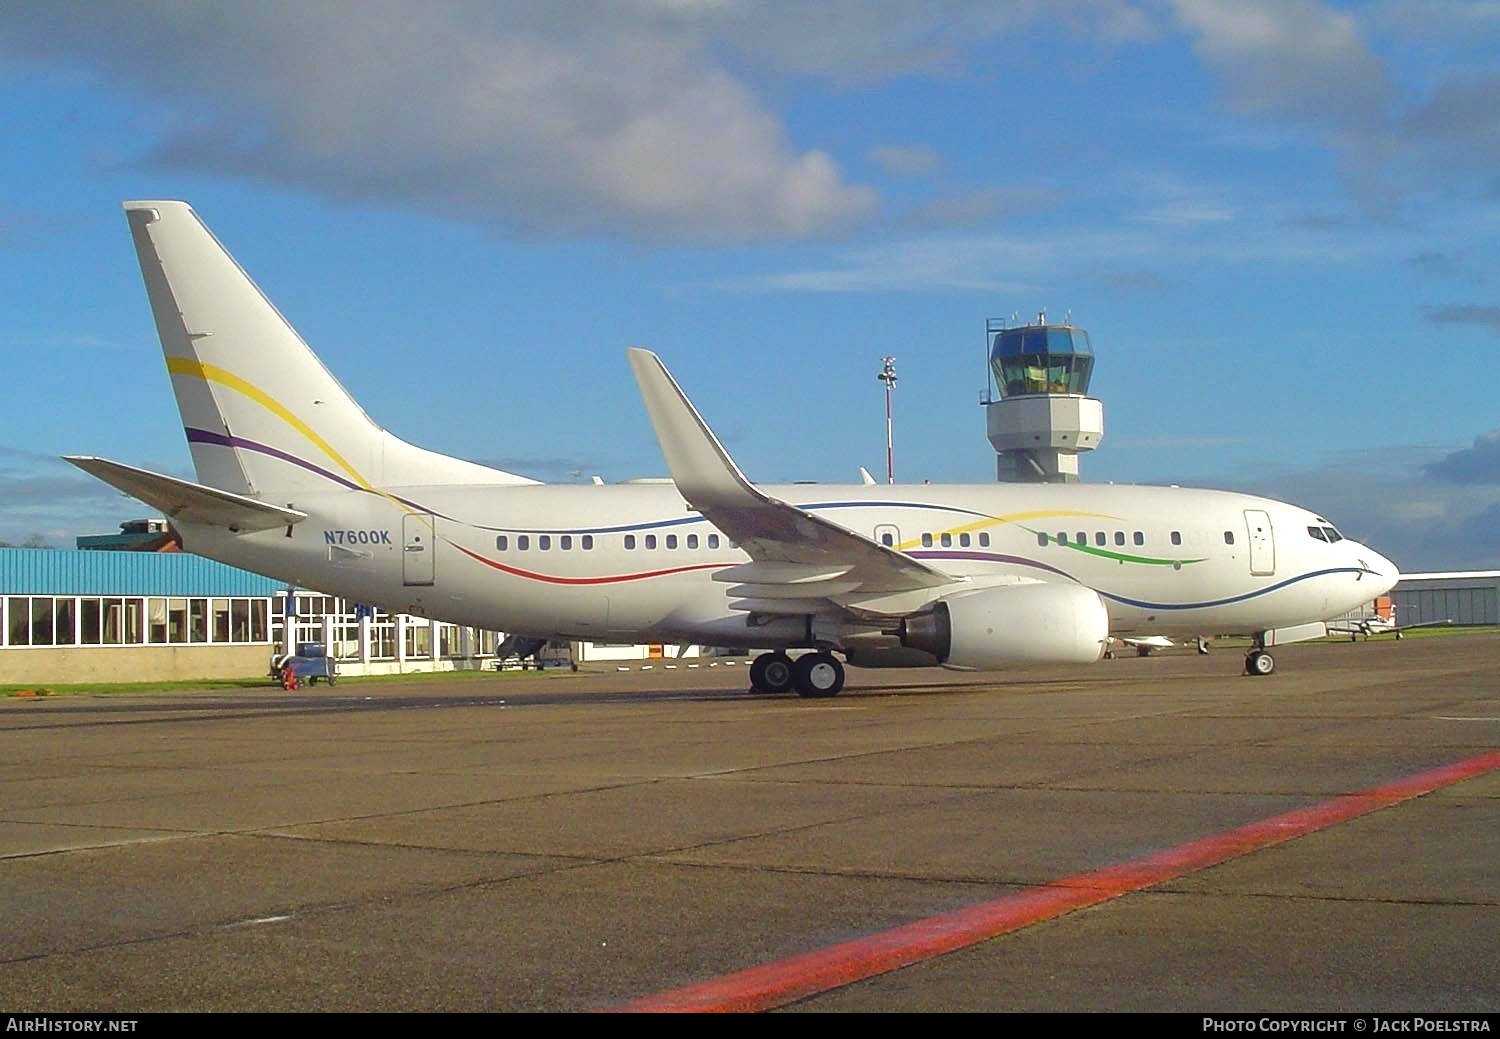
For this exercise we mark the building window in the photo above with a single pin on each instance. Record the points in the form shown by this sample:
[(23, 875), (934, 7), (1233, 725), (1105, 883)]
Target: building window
[(18, 609)]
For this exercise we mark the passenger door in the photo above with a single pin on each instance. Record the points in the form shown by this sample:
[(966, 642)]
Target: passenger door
[(418, 549), (1262, 543)]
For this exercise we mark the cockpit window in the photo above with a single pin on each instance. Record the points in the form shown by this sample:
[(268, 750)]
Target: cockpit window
[(1317, 532), (1333, 535)]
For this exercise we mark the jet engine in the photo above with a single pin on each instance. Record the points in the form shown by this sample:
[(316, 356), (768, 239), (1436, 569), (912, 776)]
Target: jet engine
[(1014, 624)]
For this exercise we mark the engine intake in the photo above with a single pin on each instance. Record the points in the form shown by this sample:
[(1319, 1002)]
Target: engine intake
[(1013, 624)]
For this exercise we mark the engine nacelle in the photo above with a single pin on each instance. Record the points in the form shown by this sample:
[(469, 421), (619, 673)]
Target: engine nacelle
[(1012, 624)]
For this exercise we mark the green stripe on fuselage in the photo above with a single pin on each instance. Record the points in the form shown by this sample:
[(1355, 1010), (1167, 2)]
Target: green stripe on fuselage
[(1120, 557)]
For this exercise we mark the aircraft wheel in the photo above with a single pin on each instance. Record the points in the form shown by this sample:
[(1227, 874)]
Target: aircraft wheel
[(1143, 651), (817, 675), (1259, 663), (771, 673)]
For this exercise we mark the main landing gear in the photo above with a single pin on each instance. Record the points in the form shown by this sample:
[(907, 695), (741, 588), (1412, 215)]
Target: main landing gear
[(1258, 662), (812, 675)]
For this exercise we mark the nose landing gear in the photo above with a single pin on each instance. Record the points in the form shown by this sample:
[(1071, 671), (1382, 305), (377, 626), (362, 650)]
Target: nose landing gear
[(1257, 661)]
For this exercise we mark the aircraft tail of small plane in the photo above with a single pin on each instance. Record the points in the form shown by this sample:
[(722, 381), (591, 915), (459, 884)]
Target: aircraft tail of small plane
[(263, 417)]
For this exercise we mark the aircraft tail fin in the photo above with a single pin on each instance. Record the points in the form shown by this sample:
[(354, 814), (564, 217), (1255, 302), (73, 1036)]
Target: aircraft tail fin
[(263, 416)]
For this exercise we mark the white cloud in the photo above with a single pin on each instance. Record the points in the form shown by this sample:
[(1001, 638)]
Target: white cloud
[(1290, 58), (545, 118)]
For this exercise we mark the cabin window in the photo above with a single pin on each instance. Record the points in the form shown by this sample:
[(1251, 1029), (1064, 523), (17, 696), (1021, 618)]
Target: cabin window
[(1062, 537), (650, 540), (1041, 540), (1083, 537), (984, 540), (963, 541), (544, 543), (588, 542), (1138, 538), (692, 541), (1100, 538), (1176, 537), (630, 541), (523, 542), (1229, 537), (1119, 537), (887, 540), (926, 540), (502, 543), (713, 541), (946, 540), (671, 540), (565, 542)]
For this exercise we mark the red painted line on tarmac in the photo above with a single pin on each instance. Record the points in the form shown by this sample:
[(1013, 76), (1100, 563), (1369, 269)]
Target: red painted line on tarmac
[(785, 981)]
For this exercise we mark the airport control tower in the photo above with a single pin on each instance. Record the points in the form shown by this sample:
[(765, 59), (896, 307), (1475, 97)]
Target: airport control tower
[(1040, 415)]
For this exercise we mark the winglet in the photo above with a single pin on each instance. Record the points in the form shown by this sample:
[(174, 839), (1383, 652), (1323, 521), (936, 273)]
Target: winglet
[(703, 471)]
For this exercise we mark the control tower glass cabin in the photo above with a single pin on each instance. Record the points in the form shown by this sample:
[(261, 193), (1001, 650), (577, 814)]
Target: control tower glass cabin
[(1044, 416)]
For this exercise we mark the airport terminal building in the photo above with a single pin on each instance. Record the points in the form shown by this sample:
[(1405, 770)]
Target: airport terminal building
[(70, 615)]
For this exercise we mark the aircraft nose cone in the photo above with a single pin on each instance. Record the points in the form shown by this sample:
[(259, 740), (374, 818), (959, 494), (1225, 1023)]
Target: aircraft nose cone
[(1385, 573)]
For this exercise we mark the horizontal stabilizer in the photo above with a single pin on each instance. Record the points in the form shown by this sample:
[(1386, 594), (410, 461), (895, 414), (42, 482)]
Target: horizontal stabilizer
[(186, 501)]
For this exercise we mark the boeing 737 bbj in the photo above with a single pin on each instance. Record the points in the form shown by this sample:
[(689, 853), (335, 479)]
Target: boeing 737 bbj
[(295, 481)]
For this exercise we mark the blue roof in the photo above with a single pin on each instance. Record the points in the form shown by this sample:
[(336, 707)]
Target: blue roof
[(47, 571)]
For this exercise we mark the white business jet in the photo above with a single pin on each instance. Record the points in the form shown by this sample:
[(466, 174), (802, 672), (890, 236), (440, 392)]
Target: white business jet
[(295, 481)]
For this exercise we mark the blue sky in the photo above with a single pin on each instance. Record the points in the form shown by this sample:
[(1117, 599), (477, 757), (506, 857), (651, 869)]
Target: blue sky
[(1277, 220)]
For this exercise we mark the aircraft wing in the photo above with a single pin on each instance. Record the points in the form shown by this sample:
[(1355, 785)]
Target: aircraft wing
[(190, 502), (798, 559)]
